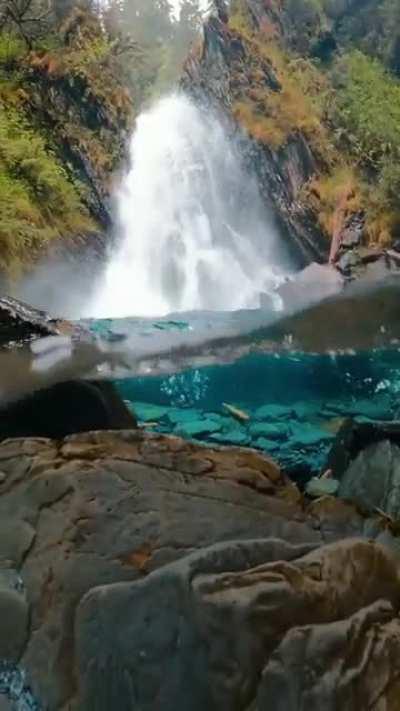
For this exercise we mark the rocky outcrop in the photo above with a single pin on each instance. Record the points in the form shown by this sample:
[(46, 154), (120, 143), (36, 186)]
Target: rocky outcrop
[(365, 457), (64, 409), (87, 117), (20, 322), (220, 629), (244, 68), (373, 479), (355, 436), (356, 261), (247, 626), (311, 285), (216, 74)]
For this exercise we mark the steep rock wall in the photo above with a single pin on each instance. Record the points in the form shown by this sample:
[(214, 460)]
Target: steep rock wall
[(216, 72)]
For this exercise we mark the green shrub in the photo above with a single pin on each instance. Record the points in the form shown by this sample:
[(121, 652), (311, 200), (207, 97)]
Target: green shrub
[(368, 108), (37, 200), (389, 183), (12, 49)]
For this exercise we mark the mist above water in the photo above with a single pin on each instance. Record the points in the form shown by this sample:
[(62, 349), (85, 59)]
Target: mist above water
[(193, 231)]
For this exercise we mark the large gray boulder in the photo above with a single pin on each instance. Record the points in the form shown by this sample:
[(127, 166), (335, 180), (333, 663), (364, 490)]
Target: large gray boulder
[(311, 285), (372, 480), (245, 626)]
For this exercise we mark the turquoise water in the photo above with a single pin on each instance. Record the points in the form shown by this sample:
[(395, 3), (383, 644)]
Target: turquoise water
[(295, 405), (292, 405)]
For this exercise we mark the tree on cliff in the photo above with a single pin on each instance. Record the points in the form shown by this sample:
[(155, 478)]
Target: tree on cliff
[(28, 18), (63, 8), (164, 36), (32, 19)]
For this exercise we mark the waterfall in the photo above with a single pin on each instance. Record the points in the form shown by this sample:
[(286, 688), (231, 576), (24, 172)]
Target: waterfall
[(193, 231)]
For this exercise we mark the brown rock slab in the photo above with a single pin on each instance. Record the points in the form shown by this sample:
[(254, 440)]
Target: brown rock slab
[(362, 674), (95, 511), (105, 507)]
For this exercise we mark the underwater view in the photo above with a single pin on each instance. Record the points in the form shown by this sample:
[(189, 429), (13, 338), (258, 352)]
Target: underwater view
[(199, 355), (288, 405), (293, 405)]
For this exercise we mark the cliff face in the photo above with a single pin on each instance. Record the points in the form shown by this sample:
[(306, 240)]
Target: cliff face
[(79, 99), (65, 115), (317, 119), (221, 71)]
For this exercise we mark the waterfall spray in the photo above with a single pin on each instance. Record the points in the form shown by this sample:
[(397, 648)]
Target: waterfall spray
[(193, 230)]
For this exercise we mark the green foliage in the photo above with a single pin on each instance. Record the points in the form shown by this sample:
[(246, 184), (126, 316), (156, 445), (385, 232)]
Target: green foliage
[(37, 200), (365, 114), (372, 26), (27, 19), (389, 183), (64, 112), (349, 111), (368, 107), (12, 50), (297, 103)]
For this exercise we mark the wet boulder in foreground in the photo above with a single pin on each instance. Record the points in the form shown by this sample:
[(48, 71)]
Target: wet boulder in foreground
[(64, 409), (246, 625), (81, 514)]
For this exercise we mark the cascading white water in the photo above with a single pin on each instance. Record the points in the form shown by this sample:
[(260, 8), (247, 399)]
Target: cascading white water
[(194, 232)]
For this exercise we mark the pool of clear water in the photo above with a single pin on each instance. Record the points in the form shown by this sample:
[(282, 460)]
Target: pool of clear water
[(291, 405)]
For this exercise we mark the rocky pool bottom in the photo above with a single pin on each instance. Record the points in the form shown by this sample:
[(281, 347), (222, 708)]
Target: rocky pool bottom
[(290, 407)]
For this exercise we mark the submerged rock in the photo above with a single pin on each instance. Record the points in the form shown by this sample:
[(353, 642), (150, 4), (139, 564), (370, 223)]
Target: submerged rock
[(198, 428), (237, 437), (269, 431), (177, 416), (375, 408), (273, 412), (267, 445), (303, 435)]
